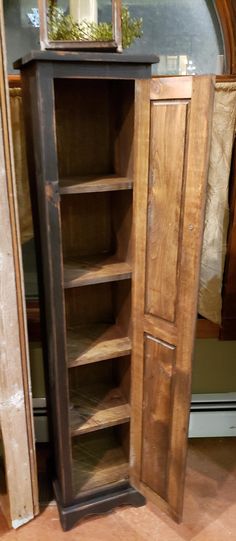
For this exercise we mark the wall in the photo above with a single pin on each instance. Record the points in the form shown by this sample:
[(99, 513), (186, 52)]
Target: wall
[(214, 366)]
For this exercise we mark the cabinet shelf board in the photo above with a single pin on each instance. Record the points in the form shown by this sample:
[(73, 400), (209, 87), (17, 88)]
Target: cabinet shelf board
[(91, 184), (98, 460), (95, 270), (97, 342), (96, 407)]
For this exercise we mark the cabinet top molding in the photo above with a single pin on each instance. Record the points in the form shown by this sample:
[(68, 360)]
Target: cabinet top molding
[(104, 58)]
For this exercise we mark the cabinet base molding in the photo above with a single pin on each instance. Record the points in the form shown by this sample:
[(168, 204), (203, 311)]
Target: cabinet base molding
[(96, 504)]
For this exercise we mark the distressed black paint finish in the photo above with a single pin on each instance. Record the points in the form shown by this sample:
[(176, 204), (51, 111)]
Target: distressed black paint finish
[(98, 504), (38, 72), (38, 97)]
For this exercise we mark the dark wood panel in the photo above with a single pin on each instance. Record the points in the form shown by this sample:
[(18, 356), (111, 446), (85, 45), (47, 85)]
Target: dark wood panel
[(94, 58), (157, 411), (166, 190), (38, 102), (85, 145), (86, 225)]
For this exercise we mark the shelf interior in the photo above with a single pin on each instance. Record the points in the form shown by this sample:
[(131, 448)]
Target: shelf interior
[(100, 458), (94, 183), (94, 127), (96, 342), (99, 395), (98, 322), (94, 133), (96, 237), (94, 270)]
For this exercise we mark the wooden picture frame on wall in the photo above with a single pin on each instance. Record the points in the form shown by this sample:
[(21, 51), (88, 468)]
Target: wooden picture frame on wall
[(19, 497)]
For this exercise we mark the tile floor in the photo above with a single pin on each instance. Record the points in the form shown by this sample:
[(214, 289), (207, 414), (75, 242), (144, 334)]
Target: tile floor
[(209, 515)]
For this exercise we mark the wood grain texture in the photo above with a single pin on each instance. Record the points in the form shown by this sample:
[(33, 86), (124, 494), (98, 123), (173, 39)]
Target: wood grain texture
[(38, 104), (95, 270), (167, 88), (179, 334), (97, 224), (14, 81), (97, 342), (98, 460), (199, 136), (16, 414), (157, 411), (94, 184), (141, 168), (86, 225), (167, 332), (207, 329), (85, 127), (166, 184), (106, 303), (96, 407)]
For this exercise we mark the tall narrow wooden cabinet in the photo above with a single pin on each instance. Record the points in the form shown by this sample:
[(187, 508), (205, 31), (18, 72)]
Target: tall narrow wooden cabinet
[(118, 167)]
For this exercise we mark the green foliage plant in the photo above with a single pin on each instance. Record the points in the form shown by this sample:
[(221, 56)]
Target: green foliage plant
[(63, 27)]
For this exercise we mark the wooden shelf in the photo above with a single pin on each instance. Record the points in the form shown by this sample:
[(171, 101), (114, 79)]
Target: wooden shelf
[(91, 184), (98, 460), (97, 342), (96, 407), (95, 270), (205, 329)]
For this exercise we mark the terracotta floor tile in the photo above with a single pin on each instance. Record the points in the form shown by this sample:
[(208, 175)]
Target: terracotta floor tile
[(209, 513)]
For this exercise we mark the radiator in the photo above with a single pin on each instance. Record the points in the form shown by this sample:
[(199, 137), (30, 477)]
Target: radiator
[(213, 415)]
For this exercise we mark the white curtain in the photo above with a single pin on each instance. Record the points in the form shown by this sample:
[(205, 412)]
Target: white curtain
[(217, 208)]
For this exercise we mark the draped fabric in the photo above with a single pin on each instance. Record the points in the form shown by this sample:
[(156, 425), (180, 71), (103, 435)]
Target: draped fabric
[(217, 208), (23, 195)]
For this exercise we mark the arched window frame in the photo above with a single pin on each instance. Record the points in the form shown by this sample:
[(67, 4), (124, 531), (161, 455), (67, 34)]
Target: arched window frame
[(226, 11)]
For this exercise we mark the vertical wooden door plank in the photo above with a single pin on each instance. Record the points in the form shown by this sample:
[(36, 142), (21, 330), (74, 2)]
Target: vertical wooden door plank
[(141, 150), (16, 417), (198, 149), (169, 193)]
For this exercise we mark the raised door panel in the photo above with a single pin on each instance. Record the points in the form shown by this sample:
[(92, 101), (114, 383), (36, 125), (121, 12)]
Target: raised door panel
[(159, 365), (171, 160), (165, 190)]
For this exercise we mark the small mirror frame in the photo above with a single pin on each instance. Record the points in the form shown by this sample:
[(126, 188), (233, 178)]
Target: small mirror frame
[(114, 45)]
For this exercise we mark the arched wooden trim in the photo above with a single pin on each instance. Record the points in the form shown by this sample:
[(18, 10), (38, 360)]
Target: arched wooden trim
[(226, 10)]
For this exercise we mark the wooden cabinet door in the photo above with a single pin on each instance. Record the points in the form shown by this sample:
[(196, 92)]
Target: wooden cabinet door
[(173, 120)]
